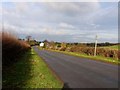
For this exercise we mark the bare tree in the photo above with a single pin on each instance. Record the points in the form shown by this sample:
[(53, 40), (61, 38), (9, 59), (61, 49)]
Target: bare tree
[(28, 38)]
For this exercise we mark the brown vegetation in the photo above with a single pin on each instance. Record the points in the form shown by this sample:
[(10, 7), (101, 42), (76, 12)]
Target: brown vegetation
[(81, 48), (12, 48), (100, 51)]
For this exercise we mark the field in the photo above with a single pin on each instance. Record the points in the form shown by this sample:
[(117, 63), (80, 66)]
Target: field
[(114, 47)]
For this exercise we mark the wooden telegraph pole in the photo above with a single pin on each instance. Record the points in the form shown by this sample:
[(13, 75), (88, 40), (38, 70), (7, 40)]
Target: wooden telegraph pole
[(95, 45)]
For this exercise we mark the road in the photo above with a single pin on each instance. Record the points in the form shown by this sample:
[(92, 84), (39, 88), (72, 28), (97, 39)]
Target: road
[(80, 72)]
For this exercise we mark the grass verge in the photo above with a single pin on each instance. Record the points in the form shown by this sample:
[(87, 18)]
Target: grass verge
[(98, 58), (29, 72)]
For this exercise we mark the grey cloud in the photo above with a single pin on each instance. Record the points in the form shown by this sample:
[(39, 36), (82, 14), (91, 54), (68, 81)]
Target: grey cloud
[(81, 21), (72, 9)]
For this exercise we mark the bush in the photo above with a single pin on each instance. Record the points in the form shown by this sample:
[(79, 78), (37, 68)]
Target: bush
[(100, 51), (62, 49), (118, 54), (12, 48)]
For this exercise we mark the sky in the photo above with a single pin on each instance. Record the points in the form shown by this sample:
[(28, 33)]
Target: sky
[(62, 21)]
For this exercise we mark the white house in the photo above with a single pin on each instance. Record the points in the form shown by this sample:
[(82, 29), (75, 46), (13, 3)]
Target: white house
[(42, 44)]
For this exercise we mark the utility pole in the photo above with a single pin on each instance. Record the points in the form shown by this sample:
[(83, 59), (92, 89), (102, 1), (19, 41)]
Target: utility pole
[(95, 45)]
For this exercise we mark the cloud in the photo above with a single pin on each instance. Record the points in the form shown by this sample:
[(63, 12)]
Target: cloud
[(65, 25), (66, 21), (106, 17), (72, 9), (21, 7)]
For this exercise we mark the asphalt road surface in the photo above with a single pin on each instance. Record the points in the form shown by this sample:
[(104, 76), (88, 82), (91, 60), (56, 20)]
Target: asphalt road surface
[(80, 72)]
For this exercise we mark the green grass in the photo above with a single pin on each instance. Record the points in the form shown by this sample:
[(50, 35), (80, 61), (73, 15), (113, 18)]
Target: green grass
[(98, 58), (30, 72), (114, 47)]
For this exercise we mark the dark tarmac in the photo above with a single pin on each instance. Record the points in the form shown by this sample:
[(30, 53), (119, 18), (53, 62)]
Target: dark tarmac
[(79, 72)]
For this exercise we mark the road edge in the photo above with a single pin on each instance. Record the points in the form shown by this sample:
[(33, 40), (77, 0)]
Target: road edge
[(85, 57), (51, 70)]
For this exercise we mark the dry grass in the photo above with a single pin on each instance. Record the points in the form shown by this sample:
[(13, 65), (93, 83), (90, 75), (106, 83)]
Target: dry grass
[(12, 48)]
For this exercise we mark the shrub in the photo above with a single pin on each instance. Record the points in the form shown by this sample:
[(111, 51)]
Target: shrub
[(118, 54), (100, 51), (62, 49), (12, 48)]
